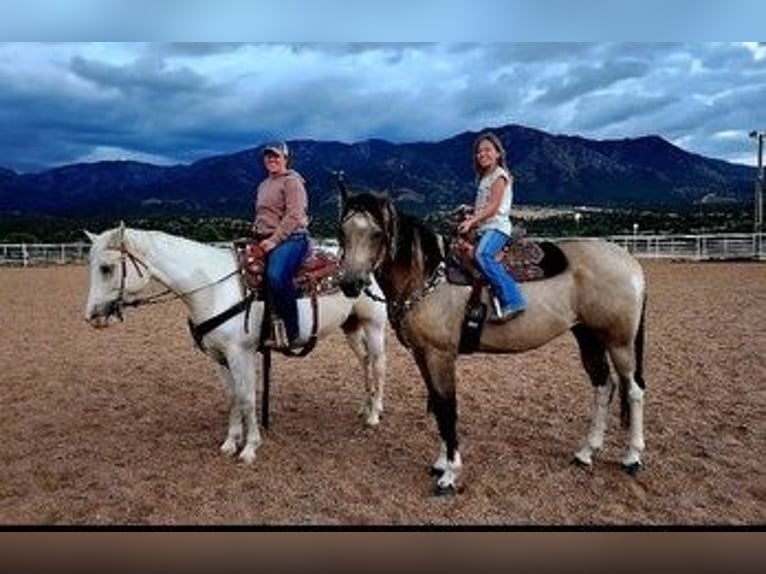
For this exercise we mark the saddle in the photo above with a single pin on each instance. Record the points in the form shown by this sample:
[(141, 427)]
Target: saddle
[(523, 259), (316, 275)]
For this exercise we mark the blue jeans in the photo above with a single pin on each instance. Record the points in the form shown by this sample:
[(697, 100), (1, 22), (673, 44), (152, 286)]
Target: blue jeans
[(282, 265), (503, 285)]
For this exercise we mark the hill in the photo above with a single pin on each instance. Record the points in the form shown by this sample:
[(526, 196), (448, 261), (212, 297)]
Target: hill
[(549, 170)]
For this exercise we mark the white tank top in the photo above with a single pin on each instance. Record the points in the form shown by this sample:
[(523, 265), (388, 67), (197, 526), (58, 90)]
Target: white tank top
[(502, 219)]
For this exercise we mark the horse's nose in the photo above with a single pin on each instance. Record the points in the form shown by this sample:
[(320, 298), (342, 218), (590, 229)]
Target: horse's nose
[(352, 286)]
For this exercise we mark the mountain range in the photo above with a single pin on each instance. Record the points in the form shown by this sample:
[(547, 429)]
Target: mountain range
[(548, 170)]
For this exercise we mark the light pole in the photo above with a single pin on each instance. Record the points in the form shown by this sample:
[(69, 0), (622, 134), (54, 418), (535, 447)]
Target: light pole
[(635, 237), (758, 225)]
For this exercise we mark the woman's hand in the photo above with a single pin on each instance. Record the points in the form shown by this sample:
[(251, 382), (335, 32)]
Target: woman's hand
[(267, 245)]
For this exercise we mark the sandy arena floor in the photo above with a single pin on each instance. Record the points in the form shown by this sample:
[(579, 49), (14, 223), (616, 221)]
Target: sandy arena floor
[(122, 426)]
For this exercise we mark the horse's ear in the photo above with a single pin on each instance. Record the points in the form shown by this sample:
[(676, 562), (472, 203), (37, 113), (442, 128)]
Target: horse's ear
[(91, 236)]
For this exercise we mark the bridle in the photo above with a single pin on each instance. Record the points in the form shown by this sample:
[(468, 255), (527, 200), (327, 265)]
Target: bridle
[(398, 307), (382, 251), (116, 306), (379, 257)]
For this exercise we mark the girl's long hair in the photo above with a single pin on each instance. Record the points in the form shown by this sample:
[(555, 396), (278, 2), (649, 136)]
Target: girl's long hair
[(495, 141)]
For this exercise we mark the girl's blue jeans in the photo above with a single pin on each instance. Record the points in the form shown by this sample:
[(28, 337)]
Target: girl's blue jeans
[(504, 286)]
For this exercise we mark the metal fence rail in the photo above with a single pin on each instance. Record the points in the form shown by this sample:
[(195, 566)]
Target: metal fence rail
[(681, 247), (28, 254), (694, 247)]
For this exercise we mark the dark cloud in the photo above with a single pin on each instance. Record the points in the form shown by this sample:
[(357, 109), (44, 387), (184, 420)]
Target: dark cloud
[(199, 48), (605, 114), (583, 79), (184, 101), (151, 75)]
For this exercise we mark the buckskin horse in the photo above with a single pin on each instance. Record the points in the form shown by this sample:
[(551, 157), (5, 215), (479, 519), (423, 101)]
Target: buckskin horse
[(599, 296), (224, 321)]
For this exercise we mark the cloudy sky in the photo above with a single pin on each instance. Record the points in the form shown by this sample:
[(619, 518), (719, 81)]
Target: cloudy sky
[(171, 103)]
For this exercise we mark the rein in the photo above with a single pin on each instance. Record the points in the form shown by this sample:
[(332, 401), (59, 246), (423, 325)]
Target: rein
[(161, 297), (377, 298), (197, 331), (397, 308)]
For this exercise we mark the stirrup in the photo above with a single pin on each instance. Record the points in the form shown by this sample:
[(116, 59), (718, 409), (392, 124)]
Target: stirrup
[(507, 315), (279, 333)]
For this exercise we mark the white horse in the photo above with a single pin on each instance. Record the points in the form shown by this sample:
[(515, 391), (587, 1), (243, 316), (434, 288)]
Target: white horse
[(206, 278)]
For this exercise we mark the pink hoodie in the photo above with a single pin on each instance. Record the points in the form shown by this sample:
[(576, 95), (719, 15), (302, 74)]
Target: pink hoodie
[(281, 206)]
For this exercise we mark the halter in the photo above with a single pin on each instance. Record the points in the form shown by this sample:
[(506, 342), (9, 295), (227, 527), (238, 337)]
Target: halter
[(398, 307)]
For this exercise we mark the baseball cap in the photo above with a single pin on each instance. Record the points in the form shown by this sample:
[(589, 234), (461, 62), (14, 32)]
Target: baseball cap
[(279, 148)]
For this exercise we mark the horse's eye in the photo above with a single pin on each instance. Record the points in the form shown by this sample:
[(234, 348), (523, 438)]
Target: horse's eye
[(106, 270)]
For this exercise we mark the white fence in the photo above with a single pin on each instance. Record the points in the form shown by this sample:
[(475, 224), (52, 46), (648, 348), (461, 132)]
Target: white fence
[(27, 254), (682, 247), (694, 247)]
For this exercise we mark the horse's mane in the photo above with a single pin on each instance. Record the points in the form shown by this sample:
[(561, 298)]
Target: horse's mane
[(148, 239), (410, 231), (413, 230)]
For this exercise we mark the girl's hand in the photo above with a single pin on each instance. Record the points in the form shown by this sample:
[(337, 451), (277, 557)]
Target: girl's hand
[(465, 226)]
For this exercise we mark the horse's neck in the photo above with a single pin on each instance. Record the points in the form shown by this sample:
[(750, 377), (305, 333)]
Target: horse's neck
[(179, 264), (411, 266)]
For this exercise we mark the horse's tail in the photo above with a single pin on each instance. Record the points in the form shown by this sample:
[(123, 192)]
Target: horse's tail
[(638, 374)]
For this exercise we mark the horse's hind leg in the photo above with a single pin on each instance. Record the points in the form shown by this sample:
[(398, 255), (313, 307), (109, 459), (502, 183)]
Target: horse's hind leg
[(593, 355), (234, 433), (242, 366), (631, 403)]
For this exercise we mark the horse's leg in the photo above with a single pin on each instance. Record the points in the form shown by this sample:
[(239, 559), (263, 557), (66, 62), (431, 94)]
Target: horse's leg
[(438, 370), (368, 344), (242, 366), (376, 346), (358, 344), (234, 434), (375, 335), (593, 355), (631, 403)]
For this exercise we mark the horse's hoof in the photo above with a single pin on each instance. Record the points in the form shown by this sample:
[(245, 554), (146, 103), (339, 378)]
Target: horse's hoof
[(435, 471), (632, 468), (247, 456), (229, 448), (578, 462), (439, 490), (372, 421)]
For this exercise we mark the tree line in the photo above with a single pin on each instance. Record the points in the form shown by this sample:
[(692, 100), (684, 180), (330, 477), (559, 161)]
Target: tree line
[(15, 228)]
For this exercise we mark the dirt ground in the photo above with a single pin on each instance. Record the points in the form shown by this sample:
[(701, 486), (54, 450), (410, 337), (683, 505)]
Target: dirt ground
[(122, 426)]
